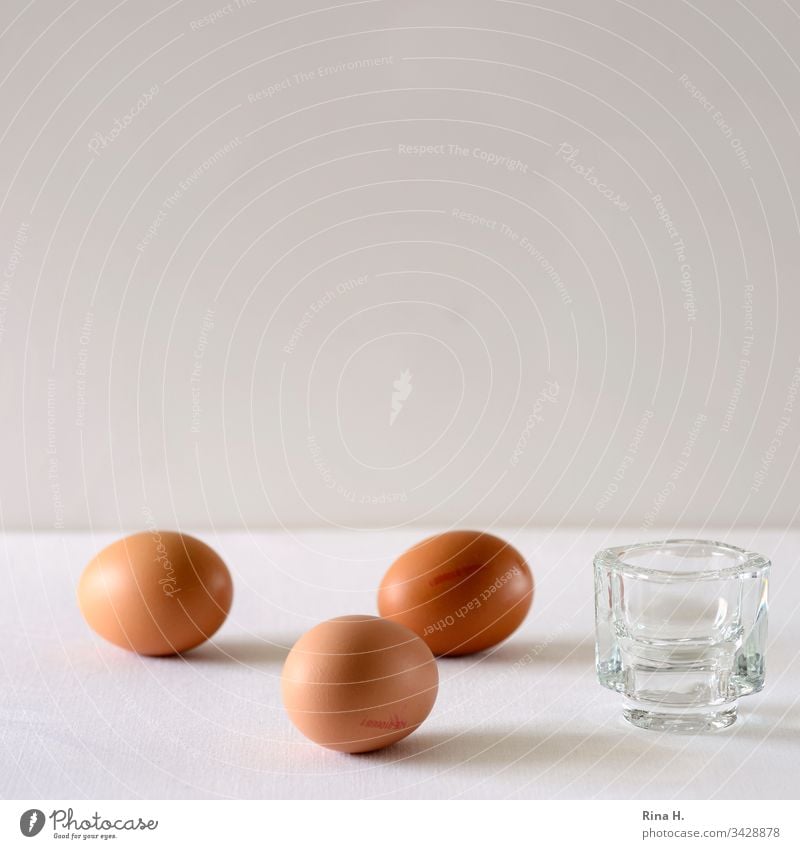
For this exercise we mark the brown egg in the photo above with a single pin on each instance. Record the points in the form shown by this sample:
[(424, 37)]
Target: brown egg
[(359, 683), (156, 593), (461, 591)]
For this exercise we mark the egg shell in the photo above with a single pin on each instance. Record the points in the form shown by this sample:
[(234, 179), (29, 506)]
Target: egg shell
[(359, 683), (156, 593), (461, 591)]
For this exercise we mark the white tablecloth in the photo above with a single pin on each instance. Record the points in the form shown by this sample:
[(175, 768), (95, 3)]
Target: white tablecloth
[(82, 719)]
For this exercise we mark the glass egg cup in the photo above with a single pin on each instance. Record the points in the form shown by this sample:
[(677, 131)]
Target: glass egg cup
[(681, 630)]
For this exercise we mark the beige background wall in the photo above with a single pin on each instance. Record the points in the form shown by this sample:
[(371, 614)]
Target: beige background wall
[(386, 262)]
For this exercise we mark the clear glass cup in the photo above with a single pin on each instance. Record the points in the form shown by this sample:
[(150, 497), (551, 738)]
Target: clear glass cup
[(681, 630)]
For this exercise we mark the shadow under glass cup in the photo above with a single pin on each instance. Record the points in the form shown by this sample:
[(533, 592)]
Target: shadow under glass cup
[(681, 630)]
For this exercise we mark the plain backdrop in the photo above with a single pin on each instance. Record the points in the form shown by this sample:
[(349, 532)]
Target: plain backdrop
[(383, 263)]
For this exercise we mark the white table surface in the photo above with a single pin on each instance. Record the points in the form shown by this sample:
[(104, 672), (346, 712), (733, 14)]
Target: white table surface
[(82, 719)]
